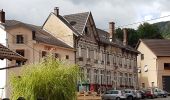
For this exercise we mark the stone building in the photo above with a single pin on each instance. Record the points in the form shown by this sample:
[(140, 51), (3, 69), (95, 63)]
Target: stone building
[(104, 60)]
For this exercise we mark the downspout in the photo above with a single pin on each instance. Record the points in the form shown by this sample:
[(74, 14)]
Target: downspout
[(157, 72)]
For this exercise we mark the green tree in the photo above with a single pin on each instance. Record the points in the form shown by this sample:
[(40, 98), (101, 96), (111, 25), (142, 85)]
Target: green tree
[(50, 79), (132, 36), (148, 31)]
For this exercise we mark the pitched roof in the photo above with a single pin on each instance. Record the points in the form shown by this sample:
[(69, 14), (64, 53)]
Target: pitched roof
[(160, 47), (41, 35), (104, 38), (78, 20), (6, 53)]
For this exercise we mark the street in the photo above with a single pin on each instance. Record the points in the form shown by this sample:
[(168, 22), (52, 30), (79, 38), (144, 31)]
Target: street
[(167, 98)]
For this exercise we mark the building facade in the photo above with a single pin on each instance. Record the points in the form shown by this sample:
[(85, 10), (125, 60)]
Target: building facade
[(33, 43), (104, 61), (154, 63)]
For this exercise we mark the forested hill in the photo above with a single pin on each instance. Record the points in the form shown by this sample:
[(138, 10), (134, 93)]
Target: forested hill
[(164, 28), (160, 30)]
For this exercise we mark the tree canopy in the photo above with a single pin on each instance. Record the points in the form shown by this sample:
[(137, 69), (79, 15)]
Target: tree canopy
[(144, 31), (50, 80)]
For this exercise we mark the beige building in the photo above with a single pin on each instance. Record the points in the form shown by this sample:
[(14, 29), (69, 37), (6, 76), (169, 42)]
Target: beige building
[(154, 63), (104, 60), (33, 43)]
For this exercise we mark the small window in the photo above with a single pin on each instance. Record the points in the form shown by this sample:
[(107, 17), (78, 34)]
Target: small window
[(56, 55), (152, 84), (21, 52), (44, 53), (167, 66), (142, 56), (86, 30), (19, 39), (67, 56), (143, 85)]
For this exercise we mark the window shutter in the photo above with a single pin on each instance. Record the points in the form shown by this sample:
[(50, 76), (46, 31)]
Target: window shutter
[(14, 39)]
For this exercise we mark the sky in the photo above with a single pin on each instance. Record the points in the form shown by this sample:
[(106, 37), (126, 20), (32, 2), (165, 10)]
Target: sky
[(122, 12)]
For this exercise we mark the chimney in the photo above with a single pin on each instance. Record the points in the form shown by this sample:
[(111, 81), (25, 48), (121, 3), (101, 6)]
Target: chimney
[(125, 36), (56, 10), (112, 30), (2, 16)]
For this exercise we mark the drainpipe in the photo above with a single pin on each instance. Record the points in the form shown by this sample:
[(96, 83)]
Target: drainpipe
[(157, 73)]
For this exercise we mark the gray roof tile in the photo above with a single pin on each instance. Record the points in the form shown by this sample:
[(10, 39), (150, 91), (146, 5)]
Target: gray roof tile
[(78, 20)]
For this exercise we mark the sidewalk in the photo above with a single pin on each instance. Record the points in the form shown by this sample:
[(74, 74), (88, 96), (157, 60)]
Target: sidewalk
[(88, 98)]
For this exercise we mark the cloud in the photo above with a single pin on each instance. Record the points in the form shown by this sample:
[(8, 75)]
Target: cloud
[(121, 11)]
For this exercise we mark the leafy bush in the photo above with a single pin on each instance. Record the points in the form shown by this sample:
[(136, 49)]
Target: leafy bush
[(50, 80)]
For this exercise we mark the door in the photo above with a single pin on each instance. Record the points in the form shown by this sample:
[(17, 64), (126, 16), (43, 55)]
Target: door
[(166, 83)]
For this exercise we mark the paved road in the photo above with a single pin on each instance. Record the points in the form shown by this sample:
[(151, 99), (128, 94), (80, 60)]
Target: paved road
[(168, 98)]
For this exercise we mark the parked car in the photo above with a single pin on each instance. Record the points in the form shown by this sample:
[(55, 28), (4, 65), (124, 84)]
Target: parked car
[(167, 93), (150, 93), (161, 93), (130, 94), (114, 95), (143, 95), (138, 95)]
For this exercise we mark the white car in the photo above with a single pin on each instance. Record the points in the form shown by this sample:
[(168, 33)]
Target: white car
[(114, 95)]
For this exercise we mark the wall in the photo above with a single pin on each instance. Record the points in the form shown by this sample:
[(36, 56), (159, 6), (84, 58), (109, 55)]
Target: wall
[(161, 71), (58, 29), (33, 51), (149, 60)]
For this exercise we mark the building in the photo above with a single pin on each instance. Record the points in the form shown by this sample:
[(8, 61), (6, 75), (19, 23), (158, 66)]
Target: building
[(5, 53), (33, 43), (104, 61), (154, 63)]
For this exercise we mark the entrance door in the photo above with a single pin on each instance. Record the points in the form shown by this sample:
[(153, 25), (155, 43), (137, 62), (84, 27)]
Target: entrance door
[(166, 83)]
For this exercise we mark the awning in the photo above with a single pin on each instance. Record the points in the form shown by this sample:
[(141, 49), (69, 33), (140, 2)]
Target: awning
[(6, 53)]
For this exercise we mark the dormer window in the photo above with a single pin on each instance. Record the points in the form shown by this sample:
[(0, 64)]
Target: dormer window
[(19, 39), (86, 30)]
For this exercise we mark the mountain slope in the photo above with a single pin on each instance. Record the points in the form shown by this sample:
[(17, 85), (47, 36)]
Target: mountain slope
[(164, 28)]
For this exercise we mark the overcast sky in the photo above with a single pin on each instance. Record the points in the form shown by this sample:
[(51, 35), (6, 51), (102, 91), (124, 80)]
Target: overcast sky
[(122, 12)]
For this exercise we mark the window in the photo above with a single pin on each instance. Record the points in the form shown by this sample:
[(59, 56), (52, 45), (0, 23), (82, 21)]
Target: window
[(79, 51), (86, 30), (82, 73), (95, 76), (167, 66), (95, 54), (88, 52), (152, 84), (102, 76), (108, 77), (44, 53), (88, 75), (142, 56), (21, 52), (143, 85), (67, 56), (19, 39)]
